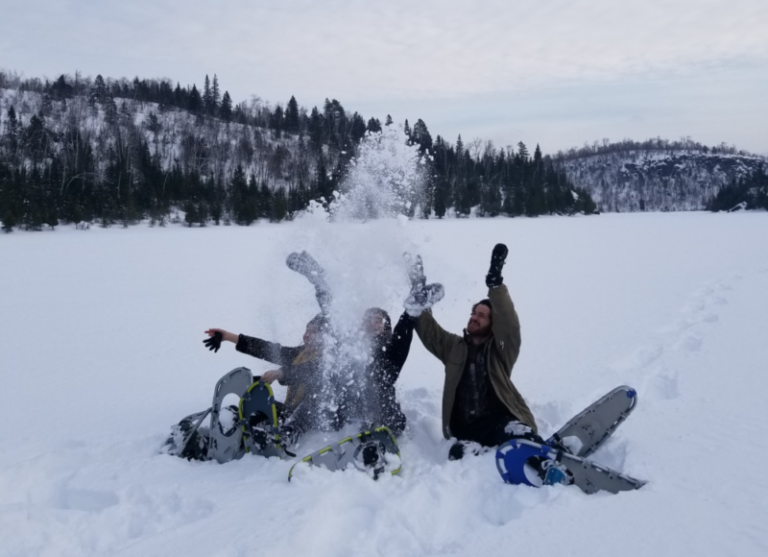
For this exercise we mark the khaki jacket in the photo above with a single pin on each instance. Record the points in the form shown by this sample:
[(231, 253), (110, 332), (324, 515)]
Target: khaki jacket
[(501, 354)]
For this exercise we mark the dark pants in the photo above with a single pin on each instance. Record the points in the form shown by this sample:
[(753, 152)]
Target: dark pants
[(490, 433)]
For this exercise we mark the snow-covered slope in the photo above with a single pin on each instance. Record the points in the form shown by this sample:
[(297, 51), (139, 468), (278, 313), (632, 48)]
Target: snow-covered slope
[(628, 180), (101, 352)]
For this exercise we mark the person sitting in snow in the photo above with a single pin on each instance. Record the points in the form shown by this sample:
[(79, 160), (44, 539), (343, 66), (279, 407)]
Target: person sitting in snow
[(301, 371), (372, 402), (481, 406), (370, 399)]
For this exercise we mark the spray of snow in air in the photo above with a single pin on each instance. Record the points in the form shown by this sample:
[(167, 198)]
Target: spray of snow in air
[(383, 182), (359, 239)]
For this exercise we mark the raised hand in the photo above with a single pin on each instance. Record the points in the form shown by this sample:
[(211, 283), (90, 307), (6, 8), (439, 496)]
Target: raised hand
[(499, 256), (423, 298), (415, 271), (306, 265)]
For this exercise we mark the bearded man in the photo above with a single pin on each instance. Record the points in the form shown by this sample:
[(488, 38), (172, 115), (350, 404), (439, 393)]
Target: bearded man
[(481, 406)]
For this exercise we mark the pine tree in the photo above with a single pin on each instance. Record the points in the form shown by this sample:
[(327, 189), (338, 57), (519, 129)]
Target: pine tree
[(190, 213), (420, 136), (12, 132), (194, 102), (358, 128), (215, 96), (225, 112), (279, 208), (522, 151), (276, 121), (207, 96), (316, 130), (373, 125), (292, 116)]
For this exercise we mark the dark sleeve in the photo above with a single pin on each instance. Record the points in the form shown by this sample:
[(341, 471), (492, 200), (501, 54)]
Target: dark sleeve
[(396, 350), (265, 350)]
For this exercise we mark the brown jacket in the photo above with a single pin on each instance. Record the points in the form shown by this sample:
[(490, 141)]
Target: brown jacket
[(501, 354)]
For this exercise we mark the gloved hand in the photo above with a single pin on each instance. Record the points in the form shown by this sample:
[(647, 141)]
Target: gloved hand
[(423, 298), (499, 256), (306, 265), (415, 271), (213, 343)]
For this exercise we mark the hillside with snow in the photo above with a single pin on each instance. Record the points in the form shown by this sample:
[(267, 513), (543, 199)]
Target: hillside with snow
[(102, 353), (657, 176)]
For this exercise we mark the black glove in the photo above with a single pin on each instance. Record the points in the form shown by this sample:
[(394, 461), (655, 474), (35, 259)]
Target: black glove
[(494, 278), (213, 343)]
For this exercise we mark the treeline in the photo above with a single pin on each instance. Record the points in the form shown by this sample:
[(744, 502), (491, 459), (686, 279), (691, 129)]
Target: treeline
[(649, 145), (501, 182), (748, 192), (81, 150)]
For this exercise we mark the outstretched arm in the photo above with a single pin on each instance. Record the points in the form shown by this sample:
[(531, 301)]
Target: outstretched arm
[(265, 350), (256, 347)]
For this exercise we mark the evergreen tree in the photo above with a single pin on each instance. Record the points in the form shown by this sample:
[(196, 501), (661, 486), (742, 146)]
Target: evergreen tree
[(316, 130), (373, 125), (358, 128), (420, 135), (190, 213), (276, 121), (207, 96), (292, 116), (522, 151), (194, 101), (226, 107), (215, 96), (279, 208), (265, 201)]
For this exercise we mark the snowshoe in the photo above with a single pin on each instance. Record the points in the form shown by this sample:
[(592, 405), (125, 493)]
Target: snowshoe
[(188, 440), (258, 417), (226, 442), (374, 452), (516, 462), (589, 429)]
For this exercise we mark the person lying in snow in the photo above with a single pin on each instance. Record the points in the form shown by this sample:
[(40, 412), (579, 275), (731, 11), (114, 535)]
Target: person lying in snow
[(481, 406)]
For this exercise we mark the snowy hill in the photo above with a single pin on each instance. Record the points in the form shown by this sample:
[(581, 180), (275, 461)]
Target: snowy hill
[(656, 178), (102, 352)]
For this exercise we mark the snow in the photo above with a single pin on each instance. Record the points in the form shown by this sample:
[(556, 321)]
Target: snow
[(101, 353)]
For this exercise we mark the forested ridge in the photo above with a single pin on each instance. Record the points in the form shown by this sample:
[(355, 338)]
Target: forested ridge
[(663, 175), (118, 151)]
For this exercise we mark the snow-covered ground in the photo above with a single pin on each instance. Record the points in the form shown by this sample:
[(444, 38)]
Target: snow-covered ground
[(100, 352)]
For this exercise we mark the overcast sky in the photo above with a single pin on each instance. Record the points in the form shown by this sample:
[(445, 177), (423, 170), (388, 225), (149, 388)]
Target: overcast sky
[(555, 72)]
